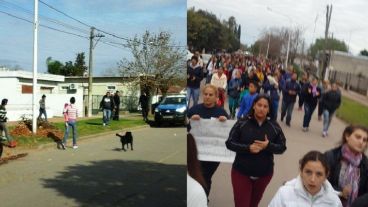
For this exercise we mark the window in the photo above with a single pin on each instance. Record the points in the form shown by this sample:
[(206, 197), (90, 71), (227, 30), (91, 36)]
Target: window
[(27, 89), (111, 87)]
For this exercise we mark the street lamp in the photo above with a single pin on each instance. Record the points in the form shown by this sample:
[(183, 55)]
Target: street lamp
[(288, 45)]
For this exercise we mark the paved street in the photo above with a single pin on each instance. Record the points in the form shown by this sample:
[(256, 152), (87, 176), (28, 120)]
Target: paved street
[(286, 165), (100, 174)]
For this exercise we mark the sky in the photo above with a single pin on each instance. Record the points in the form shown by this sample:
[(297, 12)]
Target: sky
[(125, 18), (348, 18)]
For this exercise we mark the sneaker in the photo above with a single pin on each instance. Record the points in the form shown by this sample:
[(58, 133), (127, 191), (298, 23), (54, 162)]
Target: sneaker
[(75, 147), (103, 124), (324, 134), (305, 129), (3, 139)]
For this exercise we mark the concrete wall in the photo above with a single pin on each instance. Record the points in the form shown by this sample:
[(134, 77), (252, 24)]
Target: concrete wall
[(348, 63)]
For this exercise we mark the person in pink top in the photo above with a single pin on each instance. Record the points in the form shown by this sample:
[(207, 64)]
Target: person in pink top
[(70, 116)]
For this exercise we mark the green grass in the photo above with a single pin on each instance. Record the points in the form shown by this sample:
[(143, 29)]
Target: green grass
[(353, 112), (84, 128)]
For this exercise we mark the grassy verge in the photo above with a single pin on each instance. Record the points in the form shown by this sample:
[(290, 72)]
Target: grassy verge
[(84, 128), (353, 112)]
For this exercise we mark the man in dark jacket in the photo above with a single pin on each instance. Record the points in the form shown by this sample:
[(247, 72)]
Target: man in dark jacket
[(194, 77), (107, 106), (143, 101), (331, 100), (289, 93), (311, 97), (117, 105), (3, 120)]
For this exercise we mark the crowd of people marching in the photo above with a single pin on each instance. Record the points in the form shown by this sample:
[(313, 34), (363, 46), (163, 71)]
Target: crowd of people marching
[(255, 90)]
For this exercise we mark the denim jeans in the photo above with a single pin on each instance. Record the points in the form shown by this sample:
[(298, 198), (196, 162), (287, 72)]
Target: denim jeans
[(327, 116), (42, 111), (275, 107), (287, 108), (193, 93), (73, 125), (106, 116), (308, 112)]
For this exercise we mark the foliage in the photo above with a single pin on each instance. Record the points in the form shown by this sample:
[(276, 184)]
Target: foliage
[(353, 112), (155, 63), (364, 52), (332, 44), (206, 31), (78, 68)]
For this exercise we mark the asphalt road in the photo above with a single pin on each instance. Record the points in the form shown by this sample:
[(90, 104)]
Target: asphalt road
[(98, 173)]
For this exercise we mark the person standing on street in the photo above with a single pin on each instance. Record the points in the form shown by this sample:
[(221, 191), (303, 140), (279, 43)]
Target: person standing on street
[(289, 93), (208, 110), (310, 188), (349, 165), (117, 105), (107, 105), (42, 107), (311, 97), (331, 101), (194, 77), (255, 139), (3, 120), (70, 115), (143, 101)]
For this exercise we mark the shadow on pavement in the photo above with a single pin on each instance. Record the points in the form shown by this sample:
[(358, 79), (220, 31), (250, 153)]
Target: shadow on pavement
[(122, 183), (94, 123), (153, 124)]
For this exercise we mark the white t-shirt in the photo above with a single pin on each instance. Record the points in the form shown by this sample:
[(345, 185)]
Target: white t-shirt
[(196, 197)]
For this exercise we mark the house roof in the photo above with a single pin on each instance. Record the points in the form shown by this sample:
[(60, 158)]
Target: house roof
[(29, 75)]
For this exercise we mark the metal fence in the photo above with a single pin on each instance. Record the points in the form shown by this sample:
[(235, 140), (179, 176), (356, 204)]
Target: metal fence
[(349, 81), (127, 103)]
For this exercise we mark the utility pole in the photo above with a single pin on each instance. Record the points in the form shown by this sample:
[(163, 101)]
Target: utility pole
[(35, 55), (328, 19), (90, 69), (302, 56), (287, 51), (268, 45)]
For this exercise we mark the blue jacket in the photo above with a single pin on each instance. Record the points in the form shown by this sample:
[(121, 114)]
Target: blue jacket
[(195, 73), (274, 94), (246, 104), (232, 89)]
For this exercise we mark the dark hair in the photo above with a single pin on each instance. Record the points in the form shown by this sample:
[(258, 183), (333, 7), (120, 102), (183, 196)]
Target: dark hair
[(194, 167), (195, 58), (314, 156), (254, 83), (259, 97), (43, 96), (4, 101), (72, 100), (349, 130)]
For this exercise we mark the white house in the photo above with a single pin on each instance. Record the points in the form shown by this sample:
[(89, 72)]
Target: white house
[(17, 87)]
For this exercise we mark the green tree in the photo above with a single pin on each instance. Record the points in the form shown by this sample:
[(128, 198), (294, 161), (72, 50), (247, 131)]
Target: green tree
[(68, 69), (364, 52), (54, 66), (332, 44), (80, 64), (155, 63)]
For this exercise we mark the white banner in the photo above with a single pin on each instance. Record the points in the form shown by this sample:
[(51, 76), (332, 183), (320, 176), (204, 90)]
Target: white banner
[(210, 136)]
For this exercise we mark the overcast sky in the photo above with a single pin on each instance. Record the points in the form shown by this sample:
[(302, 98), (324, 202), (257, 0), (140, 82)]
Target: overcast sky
[(125, 18), (348, 19)]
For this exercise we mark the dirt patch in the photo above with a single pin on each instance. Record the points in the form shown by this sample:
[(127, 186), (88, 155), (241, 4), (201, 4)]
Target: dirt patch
[(44, 129)]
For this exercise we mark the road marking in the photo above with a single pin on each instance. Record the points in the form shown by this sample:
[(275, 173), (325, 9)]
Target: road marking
[(169, 156)]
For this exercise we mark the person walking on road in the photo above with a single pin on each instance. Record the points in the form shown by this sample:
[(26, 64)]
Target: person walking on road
[(255, 139), (143, 101), (42, 107), (331, 101), (117, 106), (3, 120), (194, 77), (246, 102), (289, 93), (107, 105), (311, 98), (70, 115), (310, 188), (207, 110), (349, 165), (219, 80), (234, 91)]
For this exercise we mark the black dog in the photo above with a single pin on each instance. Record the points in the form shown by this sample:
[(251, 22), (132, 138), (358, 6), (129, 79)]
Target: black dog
[(126, 140)]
